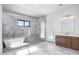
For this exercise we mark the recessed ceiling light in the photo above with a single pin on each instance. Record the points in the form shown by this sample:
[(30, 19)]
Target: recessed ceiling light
[(60, 5)]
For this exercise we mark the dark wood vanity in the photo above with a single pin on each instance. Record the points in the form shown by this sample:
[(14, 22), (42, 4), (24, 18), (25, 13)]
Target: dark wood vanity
[(68, 41)]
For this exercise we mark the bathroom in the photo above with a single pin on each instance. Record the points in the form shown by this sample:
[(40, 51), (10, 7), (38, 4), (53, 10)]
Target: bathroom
[(15, 36)]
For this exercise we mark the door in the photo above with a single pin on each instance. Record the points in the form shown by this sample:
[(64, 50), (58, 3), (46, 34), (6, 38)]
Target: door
[(68, 42), (62, 40), (75, 43)]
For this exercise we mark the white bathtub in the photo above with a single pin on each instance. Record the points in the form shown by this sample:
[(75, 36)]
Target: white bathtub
[(13, 43)]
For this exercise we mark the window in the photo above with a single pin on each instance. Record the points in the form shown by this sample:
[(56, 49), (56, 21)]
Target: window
[(26, 23), (23, 23), (20, 23)]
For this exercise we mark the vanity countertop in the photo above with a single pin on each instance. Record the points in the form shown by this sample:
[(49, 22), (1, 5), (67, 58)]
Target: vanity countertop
[(73, 35)]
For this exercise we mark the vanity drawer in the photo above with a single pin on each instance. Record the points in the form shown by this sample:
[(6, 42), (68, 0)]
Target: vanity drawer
[(68, 42), (75, 43)]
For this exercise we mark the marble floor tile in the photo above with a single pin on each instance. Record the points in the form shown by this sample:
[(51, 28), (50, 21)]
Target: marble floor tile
[(43, 48)]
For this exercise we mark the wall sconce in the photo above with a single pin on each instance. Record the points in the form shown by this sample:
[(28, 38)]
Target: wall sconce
[(68, 17)]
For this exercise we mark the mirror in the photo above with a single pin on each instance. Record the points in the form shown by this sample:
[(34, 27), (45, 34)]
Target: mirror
[(68, 25)]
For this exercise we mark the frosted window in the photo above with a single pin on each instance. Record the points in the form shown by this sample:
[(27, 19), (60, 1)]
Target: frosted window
[(20, 23), (27, 23), (23, 23)]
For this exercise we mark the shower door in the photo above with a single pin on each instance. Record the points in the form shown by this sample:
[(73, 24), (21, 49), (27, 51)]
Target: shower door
[(42, 30)]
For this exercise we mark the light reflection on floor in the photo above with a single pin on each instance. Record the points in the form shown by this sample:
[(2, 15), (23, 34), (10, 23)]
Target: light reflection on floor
[(22, 52), (27, 50)]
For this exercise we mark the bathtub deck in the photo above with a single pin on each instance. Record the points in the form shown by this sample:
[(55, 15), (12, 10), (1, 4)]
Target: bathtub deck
[(11, 49)]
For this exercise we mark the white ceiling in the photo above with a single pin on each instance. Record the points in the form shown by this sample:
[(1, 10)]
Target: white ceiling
[(32, 9)]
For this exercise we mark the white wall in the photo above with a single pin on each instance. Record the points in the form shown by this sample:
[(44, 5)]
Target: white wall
[(0, 29), (53, 20)]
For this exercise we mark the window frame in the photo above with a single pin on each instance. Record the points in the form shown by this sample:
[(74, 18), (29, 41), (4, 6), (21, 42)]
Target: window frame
[(23, 23)]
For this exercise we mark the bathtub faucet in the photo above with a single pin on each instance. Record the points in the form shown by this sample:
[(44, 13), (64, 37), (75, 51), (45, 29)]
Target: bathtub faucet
[(13, 35)]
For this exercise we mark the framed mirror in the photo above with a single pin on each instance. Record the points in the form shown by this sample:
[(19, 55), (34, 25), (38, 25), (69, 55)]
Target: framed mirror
[(68, 25)]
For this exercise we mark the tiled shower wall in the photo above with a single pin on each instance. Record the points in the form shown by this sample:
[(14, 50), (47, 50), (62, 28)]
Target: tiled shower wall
[(9, 26)]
